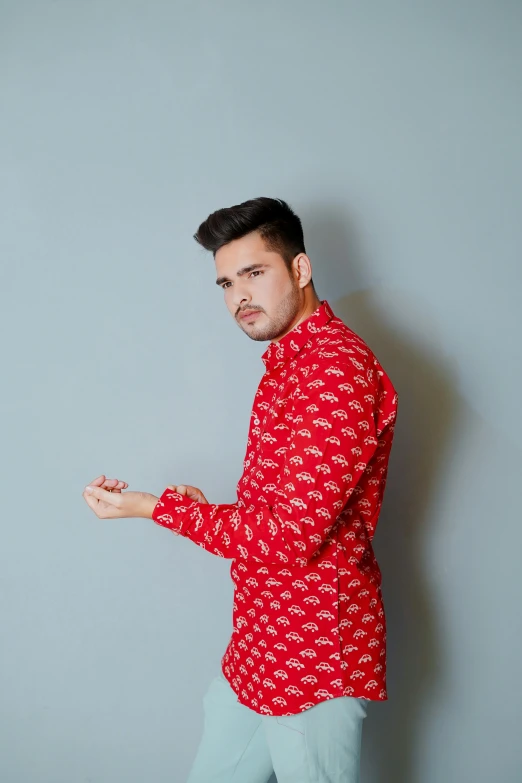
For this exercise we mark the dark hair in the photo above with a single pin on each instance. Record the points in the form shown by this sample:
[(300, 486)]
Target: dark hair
[(272, 217)]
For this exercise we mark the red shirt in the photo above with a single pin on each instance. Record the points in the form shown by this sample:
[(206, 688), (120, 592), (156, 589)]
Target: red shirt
[(308, 614)]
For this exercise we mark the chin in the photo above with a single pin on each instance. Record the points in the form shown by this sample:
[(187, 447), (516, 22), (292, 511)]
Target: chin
[(259, 338), (256, 334)]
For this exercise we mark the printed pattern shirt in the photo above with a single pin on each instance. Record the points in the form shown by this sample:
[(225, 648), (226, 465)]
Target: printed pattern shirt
[(308, 615)]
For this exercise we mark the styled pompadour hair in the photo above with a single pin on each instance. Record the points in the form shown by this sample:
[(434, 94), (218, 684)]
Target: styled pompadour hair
[(277, 223)]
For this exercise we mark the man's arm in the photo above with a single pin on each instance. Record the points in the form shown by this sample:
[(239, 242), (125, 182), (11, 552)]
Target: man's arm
[(333, 439)]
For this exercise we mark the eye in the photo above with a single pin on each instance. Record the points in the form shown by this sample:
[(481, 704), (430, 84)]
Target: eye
[(254, 272)]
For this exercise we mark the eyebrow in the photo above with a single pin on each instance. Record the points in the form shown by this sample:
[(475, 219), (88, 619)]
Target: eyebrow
[(244, 271)]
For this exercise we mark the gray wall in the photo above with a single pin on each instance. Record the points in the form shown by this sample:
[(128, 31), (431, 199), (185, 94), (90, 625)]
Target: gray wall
[(394, 131)]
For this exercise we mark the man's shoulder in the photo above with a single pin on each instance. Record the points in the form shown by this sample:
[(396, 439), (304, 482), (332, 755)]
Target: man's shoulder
[(336, 343), (339, 359), (337, 352)]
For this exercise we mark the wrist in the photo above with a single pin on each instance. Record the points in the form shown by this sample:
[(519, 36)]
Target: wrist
[(147, 505)]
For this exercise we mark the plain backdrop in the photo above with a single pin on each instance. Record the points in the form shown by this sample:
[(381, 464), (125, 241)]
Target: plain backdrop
[(394, 130)]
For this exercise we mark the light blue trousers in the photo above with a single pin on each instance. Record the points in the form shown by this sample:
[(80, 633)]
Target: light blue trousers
[(320, 745)]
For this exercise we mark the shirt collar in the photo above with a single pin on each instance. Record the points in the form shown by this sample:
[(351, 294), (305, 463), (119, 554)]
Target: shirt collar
[(288, 346)]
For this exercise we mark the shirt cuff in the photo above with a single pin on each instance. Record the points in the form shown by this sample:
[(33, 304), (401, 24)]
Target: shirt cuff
[(171, 511)]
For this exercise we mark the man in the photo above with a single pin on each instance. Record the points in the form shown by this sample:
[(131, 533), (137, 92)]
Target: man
[(308, 648)]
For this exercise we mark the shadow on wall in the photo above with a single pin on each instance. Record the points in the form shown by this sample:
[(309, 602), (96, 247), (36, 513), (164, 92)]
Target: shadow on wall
[(427, 409)]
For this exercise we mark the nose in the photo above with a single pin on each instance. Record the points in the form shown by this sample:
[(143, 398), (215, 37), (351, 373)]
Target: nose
[(241, 299)]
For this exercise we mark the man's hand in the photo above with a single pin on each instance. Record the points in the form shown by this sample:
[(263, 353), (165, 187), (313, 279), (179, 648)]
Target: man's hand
[(192, 492), (107, 500)]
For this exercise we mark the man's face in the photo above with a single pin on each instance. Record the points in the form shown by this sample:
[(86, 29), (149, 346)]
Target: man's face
[(269, 291)]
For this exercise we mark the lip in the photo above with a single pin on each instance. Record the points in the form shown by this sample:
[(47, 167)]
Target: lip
[(249, 314)]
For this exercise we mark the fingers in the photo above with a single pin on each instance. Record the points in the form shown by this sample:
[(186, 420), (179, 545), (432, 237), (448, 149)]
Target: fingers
[(192, 492), (104, 494), (115, 485), (97, 481), (181, 488), (105, 504)]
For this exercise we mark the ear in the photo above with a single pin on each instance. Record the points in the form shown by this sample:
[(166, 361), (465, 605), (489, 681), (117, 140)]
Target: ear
[(302, 267)]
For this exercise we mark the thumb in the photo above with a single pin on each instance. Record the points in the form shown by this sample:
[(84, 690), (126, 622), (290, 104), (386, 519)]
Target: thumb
[(99, 493)]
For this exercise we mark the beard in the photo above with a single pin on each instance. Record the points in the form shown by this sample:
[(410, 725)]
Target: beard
[(279, 322)]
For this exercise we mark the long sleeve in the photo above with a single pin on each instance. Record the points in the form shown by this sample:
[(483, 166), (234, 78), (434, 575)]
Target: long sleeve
[(334, 437)]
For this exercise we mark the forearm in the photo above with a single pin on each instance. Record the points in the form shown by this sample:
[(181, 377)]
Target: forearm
[(266, 534)]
